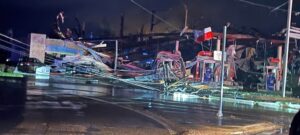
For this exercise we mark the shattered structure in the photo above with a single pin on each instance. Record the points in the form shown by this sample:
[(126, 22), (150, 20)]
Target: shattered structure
[(247, 63), (169, 66)]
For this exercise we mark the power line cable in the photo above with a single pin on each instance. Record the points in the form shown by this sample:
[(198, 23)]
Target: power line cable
[(268, 7), (158, 17), (14, 44), (12, 50), (14, 39)]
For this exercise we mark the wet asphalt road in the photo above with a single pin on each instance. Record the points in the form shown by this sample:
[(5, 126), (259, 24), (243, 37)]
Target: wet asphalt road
[(68, 107), (50, 110)]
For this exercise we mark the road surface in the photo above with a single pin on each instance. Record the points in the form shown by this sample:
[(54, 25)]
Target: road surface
[(68, 107)]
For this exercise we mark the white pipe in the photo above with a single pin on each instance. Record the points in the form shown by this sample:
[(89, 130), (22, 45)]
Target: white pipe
[(116, 57), (286, 47), (220, 113)]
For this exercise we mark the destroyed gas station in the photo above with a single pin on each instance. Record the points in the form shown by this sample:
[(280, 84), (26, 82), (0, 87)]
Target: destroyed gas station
[(186, 79)]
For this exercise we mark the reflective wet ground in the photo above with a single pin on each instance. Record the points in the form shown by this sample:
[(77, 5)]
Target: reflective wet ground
[(90, 106)]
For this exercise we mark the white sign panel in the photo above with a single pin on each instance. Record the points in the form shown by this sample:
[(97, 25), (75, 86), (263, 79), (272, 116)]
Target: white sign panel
[(218, 55), (42, 72), (37, 46)]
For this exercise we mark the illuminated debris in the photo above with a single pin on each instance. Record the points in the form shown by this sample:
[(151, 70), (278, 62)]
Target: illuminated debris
[(169, 66)]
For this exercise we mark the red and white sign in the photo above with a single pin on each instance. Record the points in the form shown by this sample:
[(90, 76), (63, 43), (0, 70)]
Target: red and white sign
[(204, 35), (205, 53), (274, 60)]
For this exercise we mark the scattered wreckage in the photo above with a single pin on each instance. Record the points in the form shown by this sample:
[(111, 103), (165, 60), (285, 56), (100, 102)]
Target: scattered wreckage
[(169, 68)]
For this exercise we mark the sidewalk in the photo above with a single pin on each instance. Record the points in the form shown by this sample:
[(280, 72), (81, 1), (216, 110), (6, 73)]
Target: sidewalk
[(235, 95), (200, 118)]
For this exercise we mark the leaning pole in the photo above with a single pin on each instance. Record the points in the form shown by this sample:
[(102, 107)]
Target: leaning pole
[(286, 47), (220, 112)]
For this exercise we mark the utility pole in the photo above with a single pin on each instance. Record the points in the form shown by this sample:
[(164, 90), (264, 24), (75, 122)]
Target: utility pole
[(220, 113), (142, 33), (152, 24), (122, 26), (116, 57), (186, 14), (152, 21), (286, 47)]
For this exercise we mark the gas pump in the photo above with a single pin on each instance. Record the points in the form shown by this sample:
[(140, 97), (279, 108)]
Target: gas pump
[(205, 66), (273, 74), (207, 71), (270, 78), (218, 72)]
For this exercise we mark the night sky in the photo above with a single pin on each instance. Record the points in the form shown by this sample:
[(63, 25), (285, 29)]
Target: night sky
[(25, 16)]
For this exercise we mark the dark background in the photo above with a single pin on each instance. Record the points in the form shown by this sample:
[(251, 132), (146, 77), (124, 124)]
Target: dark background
[(26, 16)]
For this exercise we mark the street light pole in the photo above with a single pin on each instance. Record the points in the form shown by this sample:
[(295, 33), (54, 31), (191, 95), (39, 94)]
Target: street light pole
[(220, 113), (186, 14), (116, 56), (286, 47)]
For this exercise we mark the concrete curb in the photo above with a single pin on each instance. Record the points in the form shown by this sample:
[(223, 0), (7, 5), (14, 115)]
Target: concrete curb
[(278, 104)]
